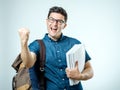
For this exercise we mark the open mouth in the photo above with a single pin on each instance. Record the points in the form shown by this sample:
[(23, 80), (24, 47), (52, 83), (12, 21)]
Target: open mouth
[(53, 29)]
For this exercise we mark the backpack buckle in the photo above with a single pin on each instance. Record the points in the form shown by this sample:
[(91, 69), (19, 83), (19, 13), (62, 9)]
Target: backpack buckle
[(42, 69)]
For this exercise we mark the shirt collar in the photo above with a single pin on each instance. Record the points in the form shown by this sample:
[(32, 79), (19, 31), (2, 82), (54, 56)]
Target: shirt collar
[(48, 38)]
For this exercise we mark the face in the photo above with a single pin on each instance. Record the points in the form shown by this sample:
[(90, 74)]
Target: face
[(55, 25)]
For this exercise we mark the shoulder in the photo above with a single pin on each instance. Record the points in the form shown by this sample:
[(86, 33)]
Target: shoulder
[(34, 43), (34, 47), (73, 40)]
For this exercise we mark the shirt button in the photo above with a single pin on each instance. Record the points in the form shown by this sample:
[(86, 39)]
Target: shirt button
[(58, 51), (59, 60), (63, 79), (61, 69), (64, 88)]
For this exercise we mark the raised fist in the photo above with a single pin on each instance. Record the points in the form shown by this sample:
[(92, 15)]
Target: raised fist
[(24, 35)]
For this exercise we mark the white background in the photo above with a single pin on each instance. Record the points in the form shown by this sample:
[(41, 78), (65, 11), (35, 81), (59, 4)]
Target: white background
[(96, 23)]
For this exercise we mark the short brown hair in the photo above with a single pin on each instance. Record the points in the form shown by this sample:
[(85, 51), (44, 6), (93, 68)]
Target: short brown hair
[(60, 10)]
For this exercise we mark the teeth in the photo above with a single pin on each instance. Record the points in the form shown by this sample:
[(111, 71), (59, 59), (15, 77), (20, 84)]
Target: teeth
[(53, 28)]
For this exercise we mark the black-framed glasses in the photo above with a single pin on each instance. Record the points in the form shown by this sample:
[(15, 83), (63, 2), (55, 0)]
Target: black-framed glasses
[(52, 20)]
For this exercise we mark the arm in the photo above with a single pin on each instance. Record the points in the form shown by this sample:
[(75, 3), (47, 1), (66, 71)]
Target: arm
[(28, 57), (86, 74)]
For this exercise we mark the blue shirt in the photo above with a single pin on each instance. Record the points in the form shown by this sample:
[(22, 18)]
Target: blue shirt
[(55, 63)]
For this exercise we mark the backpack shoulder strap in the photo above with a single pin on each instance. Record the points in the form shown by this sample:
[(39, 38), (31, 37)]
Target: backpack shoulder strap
[(41, 65), (42, 54)]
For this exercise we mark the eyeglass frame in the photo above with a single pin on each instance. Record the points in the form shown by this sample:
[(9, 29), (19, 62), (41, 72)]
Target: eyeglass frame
[(59, 21)]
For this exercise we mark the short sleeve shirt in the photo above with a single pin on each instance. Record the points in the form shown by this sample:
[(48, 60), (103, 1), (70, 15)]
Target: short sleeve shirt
[(55, 63)]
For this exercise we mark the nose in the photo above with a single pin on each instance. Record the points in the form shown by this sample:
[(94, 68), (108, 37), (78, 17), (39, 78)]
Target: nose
[(55, 22)]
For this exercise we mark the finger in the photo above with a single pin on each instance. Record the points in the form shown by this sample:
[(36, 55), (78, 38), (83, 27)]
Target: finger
[(76, 64), (67, 70), (23, 31)]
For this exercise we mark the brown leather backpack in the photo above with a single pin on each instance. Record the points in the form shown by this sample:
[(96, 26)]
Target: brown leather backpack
[(22, 81)]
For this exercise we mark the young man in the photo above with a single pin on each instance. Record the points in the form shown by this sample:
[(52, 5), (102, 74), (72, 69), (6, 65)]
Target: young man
[(56, 72)]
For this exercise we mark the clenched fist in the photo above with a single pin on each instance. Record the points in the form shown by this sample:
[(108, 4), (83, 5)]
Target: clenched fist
[(24, 35)]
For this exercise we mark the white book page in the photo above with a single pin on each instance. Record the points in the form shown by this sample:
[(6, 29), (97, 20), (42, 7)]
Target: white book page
[(76, 53)]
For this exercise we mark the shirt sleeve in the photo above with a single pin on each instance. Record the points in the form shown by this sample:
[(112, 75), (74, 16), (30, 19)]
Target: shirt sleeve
[(34, 47), (87, 57)]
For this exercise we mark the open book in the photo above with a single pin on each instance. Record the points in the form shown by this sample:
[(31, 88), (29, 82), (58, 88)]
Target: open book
[(76, 53)]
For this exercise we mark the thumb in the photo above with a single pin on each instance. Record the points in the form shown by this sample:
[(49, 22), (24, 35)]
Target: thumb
[(76, 64)]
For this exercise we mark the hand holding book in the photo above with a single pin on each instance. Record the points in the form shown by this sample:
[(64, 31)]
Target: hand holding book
[(73, 73)]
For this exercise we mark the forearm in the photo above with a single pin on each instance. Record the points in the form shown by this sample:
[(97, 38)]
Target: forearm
[(27, 56), (87, 72)]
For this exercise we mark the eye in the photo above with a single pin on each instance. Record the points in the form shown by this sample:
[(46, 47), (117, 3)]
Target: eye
[(61, 21), (51, 19)]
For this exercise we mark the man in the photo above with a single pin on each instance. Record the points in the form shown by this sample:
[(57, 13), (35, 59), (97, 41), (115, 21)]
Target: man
[(56, 72)]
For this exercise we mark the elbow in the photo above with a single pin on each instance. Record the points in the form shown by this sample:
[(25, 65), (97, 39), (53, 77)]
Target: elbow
[(23, 64), (91, 75), (28, 66)]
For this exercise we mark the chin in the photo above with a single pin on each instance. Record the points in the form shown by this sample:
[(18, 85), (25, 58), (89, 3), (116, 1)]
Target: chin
[(52, 34)]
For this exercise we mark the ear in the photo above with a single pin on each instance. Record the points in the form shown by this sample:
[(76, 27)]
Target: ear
[(64, 26)]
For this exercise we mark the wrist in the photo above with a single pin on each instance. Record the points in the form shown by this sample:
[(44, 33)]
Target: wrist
[(24, 43), (81, 76), (24, 46)]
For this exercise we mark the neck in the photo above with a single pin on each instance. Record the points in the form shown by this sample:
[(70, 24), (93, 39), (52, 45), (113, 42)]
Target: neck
[(54, 38)]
